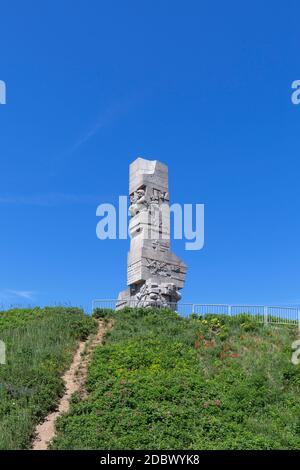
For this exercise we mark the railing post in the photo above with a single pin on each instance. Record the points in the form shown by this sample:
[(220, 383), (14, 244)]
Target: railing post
[(229, 310), (193, 308), (299, 321), (265, 316)]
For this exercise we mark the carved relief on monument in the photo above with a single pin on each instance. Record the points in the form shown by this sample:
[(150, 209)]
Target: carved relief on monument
[(159, 245), (159, 196), (158, 267), (152, 294), (138, 201)]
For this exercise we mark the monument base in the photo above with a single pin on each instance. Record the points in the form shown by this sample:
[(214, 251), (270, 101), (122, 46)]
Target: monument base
[(149, 294)]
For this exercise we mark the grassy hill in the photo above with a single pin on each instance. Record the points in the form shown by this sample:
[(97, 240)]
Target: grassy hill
[(165, 382), (40, 344), (159, 382)]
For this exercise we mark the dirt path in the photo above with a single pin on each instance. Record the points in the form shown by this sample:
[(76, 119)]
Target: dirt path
[(74, 380)]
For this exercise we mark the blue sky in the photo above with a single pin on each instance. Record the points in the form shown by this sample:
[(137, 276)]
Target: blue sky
[(202, 86)]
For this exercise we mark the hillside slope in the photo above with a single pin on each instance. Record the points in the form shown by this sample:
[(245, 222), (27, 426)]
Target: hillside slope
[(40, 344), (165, 382)]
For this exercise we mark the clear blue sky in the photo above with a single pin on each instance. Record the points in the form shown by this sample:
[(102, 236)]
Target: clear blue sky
[(202, 86)]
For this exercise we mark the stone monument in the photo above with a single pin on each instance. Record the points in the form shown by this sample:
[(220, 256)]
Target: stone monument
[(154, 274)]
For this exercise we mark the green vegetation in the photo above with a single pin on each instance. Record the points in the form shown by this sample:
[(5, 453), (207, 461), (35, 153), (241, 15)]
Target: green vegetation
[(165, 382), (40, 344), (101, 313)]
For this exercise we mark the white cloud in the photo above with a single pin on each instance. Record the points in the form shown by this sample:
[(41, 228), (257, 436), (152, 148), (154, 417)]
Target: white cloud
[(24, 294), (11, 294), (112, 113), (47, 200)]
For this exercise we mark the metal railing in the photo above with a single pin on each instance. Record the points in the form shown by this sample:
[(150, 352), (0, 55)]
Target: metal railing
[(260, 313)]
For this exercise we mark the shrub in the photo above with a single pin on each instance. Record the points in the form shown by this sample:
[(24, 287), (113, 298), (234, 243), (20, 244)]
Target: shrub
[(103, 312)]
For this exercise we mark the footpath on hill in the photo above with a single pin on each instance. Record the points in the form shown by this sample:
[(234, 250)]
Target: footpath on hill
[(74, 381)]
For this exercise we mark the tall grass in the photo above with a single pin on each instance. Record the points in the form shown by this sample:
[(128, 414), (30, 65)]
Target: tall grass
[(39, 347)]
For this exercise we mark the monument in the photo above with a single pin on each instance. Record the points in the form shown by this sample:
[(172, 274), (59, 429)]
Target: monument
[(154, 274)]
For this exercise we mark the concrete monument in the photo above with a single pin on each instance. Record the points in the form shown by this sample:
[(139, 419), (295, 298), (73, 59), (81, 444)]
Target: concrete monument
[(154, 275)]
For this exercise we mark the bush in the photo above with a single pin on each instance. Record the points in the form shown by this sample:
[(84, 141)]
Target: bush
[(103, 312)]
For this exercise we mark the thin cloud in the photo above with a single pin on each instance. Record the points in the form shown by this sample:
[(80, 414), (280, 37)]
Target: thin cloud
[(111, 114), (48, 199), (108, 116), (12, 294), (23, 294)]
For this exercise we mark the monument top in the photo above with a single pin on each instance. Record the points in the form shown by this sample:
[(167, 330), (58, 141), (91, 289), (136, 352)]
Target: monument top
[(150, 173), (146, 165)]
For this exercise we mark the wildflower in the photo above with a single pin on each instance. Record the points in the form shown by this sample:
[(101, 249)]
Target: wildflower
[(218, 402)]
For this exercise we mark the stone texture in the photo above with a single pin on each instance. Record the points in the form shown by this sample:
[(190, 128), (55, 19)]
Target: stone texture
[(155, 275)]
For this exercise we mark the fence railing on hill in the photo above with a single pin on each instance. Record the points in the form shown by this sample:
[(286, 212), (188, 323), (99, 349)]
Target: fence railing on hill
[(260, 313)]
